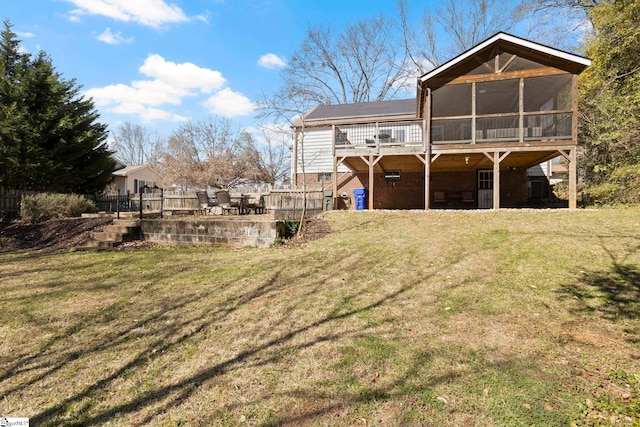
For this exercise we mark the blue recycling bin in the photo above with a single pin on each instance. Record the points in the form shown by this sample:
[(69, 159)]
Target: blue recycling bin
[(360, 197)]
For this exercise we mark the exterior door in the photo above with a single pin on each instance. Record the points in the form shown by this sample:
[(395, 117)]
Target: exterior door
[(485, 189)]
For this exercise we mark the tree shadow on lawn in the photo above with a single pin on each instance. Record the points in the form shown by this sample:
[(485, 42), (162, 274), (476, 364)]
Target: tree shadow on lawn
[(163, 339), (613, 294), (188, 316)]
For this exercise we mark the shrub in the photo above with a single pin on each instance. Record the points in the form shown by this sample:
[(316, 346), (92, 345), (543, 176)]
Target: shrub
[(561, 191), (45, 206), (288, 228), (621, 188)]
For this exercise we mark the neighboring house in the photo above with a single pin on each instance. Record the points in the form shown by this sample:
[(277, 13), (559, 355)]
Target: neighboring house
[(478, 123), (131, 179), (543, 176)]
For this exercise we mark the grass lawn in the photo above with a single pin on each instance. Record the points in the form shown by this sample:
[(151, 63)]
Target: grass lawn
[(480, 318)]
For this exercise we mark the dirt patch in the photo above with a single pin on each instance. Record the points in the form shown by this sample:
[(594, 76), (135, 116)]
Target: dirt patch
[(55, 234), (315, 229)]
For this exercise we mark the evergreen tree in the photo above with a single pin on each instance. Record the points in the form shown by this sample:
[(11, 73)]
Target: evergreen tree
[(50, 139)]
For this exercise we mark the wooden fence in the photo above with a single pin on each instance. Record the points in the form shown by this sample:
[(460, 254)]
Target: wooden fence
[(9, 203), (285, 204), (288, 204)]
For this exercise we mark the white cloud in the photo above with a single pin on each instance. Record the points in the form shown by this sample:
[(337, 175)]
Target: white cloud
[(169, 83), (149, 114), (227, 103), (153, 13), (271, 60), (186, 75), (26, 35), (140, 92), (108, 37)]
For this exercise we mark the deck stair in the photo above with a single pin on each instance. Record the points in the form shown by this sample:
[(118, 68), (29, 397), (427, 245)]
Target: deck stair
[(122, 230)]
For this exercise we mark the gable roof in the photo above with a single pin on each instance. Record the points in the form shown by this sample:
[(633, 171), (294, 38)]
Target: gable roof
[(547, 52), (130, 169), (334, 112)]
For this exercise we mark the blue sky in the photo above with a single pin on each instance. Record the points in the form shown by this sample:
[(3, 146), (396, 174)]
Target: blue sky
[(161, 62)]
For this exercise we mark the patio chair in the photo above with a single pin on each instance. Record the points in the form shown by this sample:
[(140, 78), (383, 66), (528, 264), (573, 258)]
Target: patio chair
[(224, 201), (203, 201), (438, 196), (255, 202), (467, 197)]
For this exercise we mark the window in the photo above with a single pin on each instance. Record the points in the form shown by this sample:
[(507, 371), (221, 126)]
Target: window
[(324, 176), (485, 180), (341, 137), (139, 184), (385, 135)]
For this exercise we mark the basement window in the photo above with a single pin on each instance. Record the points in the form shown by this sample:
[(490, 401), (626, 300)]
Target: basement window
[(324, 176), (393, 175)]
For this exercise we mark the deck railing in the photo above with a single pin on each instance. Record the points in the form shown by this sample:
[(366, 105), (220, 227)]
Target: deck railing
[(530, 127), (379, 134)]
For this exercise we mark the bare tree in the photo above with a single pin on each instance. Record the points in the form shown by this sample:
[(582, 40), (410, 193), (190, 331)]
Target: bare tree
[(419, 41), (288, 108), (363, 63), (451, 28), (135, 144), (180, 162), (210, 153), (560, 23), (275, 154)]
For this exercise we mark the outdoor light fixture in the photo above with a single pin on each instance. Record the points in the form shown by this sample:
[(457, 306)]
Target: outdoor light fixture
[(466, 160)]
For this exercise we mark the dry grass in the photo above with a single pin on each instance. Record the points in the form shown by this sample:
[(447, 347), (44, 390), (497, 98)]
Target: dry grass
[(396, 318)]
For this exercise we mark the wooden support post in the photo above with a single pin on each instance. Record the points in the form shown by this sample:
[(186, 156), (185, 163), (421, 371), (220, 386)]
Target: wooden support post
[(573, 157), (496, 180), (427, 163), (573, 179), (427, 182), (334, 175), (370, 195)]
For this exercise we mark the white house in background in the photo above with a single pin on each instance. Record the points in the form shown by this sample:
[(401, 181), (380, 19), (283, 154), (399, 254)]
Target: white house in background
[(131, 179)]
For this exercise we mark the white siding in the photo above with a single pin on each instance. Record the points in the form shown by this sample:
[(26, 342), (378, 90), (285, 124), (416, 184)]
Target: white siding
[(318, 153)]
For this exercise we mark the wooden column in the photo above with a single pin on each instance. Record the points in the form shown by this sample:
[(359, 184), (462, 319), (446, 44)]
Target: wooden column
[(573, 157), (370, 195), (427, 164), (496, 180), (573, 179)]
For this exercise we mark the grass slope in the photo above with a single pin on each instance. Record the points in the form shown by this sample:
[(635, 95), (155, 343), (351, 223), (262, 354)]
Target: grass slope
[(396, 318)]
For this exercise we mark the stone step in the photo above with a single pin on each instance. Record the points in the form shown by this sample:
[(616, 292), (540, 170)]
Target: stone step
[(122, 229), (111, 235), (95, 215), (127, 222), (106, 236)]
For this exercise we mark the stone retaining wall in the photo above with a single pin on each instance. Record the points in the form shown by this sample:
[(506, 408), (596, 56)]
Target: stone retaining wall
[(224, 232)]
